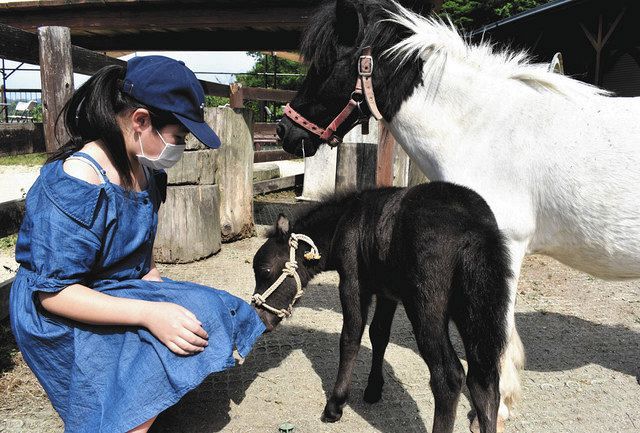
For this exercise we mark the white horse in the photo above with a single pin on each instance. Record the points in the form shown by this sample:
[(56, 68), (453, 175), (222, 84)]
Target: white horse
[(558, 161)]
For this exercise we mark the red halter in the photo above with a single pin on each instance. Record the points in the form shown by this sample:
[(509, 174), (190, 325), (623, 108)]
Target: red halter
[(362, 92)]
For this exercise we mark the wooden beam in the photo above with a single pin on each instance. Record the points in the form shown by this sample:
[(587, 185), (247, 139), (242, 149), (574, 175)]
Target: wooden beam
[(600, 41), (168, 15), (294, 57), (262, 94), (21, 46), (614, 26), (215, 89), (56, 74), (281, 183), (272, 155), (194, 40)]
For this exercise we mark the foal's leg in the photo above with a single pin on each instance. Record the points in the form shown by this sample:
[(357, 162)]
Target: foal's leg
[(483, 338), (354, 310), (512, 357), (379, 331), (430, 326)]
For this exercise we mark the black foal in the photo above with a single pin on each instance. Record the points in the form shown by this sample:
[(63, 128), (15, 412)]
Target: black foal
[(437, 249)]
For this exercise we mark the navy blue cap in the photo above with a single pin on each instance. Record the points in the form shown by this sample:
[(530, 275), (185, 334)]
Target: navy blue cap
[(168, 85)]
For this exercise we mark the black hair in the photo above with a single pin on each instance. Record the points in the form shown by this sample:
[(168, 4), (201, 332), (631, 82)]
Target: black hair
[(90, 115)]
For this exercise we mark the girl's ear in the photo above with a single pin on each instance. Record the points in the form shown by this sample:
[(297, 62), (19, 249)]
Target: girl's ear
[(140, 120)]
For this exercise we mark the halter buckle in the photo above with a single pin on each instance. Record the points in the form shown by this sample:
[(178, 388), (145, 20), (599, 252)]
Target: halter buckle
[(365, 66)]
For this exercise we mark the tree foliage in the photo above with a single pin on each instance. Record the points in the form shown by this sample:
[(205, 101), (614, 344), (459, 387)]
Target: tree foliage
[(473, 14)]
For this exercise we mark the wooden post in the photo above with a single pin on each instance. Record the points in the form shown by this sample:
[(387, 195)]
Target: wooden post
[(56, 74), (236, 98), (356, 160), (188, 224), (235, 170), (356, 167), (189, 220), (386, 153)]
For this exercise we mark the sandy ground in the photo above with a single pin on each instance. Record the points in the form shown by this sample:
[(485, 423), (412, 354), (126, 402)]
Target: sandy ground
[(15, 181), (582, 338)]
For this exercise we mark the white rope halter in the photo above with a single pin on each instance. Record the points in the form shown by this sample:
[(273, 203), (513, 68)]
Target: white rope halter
[(260, 300)]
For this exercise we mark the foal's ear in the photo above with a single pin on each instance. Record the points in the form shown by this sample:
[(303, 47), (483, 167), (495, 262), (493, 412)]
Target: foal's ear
[(422, 7), (347, 22), (282, 226)]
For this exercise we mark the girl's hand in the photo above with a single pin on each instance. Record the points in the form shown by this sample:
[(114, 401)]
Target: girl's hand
[(153, 275), (176, 327)]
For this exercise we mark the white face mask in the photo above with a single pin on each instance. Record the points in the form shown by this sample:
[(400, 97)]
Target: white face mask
[(169, 156)]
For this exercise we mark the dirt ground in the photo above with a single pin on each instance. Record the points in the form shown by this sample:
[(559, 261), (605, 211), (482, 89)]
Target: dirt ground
[(581, 335)]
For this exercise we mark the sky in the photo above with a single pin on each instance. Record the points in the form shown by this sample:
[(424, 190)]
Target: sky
[(197, 61)]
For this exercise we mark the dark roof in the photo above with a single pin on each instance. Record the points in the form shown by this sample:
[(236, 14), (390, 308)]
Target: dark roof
[(167, 25)]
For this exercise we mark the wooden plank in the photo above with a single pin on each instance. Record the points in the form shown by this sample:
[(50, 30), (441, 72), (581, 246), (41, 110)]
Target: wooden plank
[(56, 75), (5, 287), (265, 133), (264, 128), (11, 214), (195, 40), (215, 89), (272, 155), (281, 183), (262, 94), (170, 15), (386, 153)]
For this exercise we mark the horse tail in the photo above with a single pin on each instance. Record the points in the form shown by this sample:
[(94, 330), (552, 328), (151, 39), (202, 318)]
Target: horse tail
[(480, 299)]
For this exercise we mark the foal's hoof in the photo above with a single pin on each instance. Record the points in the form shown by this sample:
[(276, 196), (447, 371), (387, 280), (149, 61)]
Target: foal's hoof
[(332, 413), (475, 425), (372, 394)]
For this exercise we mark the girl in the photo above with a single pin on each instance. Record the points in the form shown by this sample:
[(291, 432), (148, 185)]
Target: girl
[(112, 343)]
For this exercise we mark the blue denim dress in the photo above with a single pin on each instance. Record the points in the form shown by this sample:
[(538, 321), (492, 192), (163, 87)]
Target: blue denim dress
[(106, 378)]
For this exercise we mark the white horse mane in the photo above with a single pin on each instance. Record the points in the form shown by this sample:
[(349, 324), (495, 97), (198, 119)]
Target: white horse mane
[(435, 40)]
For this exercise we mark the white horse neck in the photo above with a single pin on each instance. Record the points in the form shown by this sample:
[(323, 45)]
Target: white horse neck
[(473, 96)]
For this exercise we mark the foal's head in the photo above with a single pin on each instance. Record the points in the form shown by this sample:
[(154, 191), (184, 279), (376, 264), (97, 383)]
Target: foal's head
[(282, 267), (332, 46)]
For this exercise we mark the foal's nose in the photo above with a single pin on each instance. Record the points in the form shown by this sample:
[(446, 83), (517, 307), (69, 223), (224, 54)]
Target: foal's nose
[(280, 130)]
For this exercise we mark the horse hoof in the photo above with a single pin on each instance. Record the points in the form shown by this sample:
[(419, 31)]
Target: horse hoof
[(372, 395), (475, 425), (331, 414), (330, 417)]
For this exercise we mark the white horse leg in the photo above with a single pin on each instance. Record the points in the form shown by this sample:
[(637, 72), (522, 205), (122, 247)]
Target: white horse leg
[(513, 357), (512, 360)]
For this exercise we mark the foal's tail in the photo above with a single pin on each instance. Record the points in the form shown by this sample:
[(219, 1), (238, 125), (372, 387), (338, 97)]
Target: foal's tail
[(480, 299)]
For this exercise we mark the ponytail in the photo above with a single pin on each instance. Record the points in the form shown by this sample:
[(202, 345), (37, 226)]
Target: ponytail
[(91, 114)]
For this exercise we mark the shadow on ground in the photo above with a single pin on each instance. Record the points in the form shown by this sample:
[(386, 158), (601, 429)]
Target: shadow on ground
[(206, 409), (553, 342), (8, 347)]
